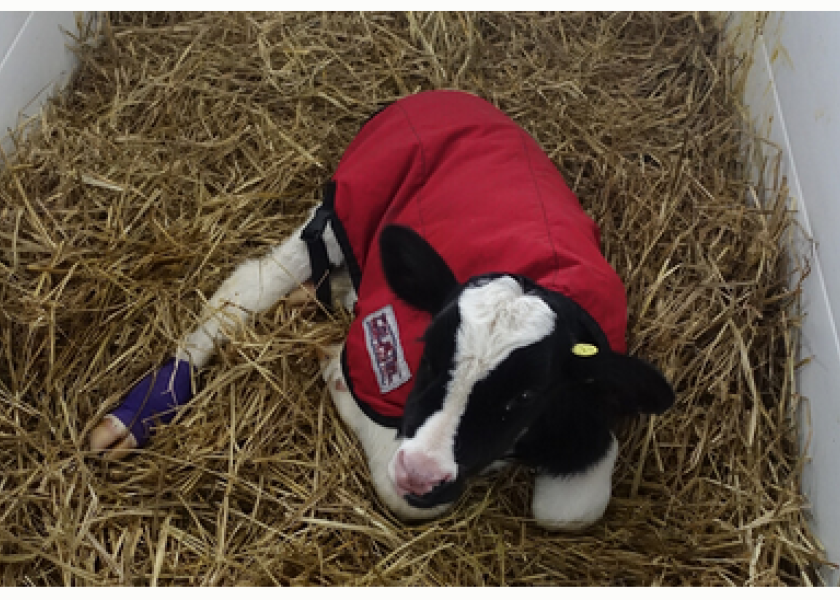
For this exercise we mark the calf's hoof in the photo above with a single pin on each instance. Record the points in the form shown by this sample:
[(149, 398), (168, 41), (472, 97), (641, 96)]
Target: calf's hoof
[(112, 437), (151, 401), (302, 296)]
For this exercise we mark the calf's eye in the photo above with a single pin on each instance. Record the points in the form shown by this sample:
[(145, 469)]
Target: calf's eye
[(519, 400)]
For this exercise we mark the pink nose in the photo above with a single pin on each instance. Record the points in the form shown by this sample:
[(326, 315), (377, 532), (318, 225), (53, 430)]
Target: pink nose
[(418, 473)]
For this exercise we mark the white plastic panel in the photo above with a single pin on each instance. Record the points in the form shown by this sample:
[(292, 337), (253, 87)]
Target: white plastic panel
[(10, 25), (34, 61)]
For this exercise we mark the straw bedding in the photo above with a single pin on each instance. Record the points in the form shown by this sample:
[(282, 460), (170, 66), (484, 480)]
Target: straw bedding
[(188, 142)]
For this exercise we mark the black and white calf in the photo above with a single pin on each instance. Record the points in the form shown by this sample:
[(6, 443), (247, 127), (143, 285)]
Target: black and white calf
[(498, 380), (509, 368)]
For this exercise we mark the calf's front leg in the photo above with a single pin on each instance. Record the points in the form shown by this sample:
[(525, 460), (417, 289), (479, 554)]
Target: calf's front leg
[(575, 501), (378, 443)]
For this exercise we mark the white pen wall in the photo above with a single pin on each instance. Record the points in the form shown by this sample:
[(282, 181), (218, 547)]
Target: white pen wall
[(34, 59)]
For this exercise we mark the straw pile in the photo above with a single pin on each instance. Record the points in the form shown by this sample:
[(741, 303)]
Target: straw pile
[(188, 142)]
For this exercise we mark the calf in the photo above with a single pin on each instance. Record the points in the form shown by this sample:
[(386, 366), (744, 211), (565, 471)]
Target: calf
[(488, 325)]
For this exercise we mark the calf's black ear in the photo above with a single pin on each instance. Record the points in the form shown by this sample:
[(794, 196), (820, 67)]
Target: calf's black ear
[(415, 272), (625, 384)]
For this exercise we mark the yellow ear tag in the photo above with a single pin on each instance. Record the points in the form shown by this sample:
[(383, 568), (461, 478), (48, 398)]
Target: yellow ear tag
[(584, 350)]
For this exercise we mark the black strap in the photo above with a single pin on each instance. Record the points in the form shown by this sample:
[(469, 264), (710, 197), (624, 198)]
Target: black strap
[(313, 235)]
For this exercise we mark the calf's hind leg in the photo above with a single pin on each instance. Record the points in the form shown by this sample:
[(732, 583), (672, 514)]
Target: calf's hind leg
[(255, 286), (378, 443)]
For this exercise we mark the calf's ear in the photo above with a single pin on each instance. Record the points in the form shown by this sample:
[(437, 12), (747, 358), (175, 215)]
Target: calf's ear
[(626, 384), (415, 272)]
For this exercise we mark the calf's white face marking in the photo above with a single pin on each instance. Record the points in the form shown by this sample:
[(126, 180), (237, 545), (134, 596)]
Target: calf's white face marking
[(497, 318)]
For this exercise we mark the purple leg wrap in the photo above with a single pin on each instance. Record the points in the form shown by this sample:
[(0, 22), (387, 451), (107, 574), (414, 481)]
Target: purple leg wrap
[(154, 399)]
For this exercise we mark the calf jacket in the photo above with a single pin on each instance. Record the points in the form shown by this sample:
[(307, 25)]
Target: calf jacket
[(482, 192)]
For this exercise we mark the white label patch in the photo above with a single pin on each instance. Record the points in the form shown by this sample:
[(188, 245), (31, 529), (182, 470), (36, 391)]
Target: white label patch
[(386, 354)]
